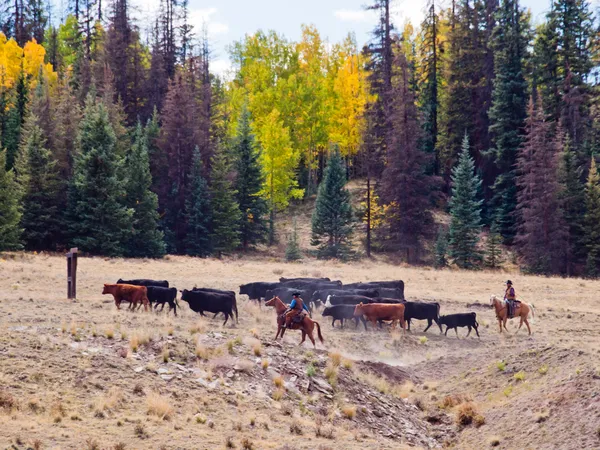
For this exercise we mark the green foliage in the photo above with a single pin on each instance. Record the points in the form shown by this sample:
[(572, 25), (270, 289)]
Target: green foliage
[(292, 250), (249, 182), (15, 120), (591, 223), (225, 235), (332, 220), (38, 176), (145, 240), (10, 211), (493, 251), (99, 222), (441, 249), (465, 210), (198, 211)]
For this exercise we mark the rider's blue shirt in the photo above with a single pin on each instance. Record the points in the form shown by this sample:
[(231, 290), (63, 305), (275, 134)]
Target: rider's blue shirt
[(293, 304)]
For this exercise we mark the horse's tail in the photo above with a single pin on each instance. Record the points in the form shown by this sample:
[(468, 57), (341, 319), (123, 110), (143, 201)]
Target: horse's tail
[(532, 310), (319, 332)]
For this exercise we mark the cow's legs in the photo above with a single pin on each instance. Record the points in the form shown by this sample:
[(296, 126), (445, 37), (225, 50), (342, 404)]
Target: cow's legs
[(429, 323), (477, 331), (439, 325), (342, 323), (469, 331), (374, 322), (456, 331), (333, 322), (226, 318), (408, 321), (447, 328)]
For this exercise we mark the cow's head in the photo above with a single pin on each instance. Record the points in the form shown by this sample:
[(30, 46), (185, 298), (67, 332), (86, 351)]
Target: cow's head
[(184, 295), (358, 311), (327, 312), (106, 289), (442, 320)]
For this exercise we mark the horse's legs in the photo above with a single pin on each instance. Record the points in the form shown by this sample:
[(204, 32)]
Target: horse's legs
[(504, 323), (520, 325), (528, 327), (278, 330), (312, 339), (303, 337)]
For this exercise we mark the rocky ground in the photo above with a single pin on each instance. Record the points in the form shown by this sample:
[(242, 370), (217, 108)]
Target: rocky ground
[(82, 375)]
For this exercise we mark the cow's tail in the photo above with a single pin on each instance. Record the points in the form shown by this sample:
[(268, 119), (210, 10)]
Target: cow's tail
[(237, 319), (327, 302), (319, 332)]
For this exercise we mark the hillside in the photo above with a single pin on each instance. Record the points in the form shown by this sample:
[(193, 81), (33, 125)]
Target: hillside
[(80, 374)]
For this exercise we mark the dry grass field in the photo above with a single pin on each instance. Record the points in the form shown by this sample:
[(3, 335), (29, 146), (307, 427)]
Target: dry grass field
[(82, 375)]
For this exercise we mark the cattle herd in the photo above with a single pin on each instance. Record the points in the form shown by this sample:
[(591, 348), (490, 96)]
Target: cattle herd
[(375, 301)]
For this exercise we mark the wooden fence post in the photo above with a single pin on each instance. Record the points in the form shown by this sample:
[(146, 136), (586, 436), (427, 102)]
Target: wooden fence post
[(72, 273)]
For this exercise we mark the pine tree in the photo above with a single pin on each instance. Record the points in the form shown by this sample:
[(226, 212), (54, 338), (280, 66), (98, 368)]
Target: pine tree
[(146, 240), (493, 251), (99, 222), (465, 212), (542, 231), (16, 118), (225, 233), (441, 249), (38, 177), (249, 182), (10, 209), (591, 222), (573, 204), (406, 187), (198, 213), (292, 249), (332, 219), (508, 111)]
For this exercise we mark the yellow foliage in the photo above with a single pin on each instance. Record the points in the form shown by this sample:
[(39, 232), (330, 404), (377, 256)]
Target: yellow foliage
[(14, 59)]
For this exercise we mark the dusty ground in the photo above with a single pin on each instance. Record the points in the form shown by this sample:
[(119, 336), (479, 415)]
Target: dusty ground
[(81, 375)]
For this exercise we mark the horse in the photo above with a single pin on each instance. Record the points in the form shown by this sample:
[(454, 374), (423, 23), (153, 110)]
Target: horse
[(307, 325), (522, 311)]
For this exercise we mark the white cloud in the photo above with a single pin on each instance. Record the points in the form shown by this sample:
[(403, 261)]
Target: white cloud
[(353, 15), (205, 17), (217, 28), (221, 67)]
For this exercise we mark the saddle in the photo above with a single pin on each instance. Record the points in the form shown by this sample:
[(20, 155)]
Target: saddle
[(510, 309)]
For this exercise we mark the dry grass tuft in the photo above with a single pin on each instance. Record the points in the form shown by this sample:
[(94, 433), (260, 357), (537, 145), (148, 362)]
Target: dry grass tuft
[(501, 366), (159, 406), (109, 402), (466, 414), (247, 444), (349, 411), (543, 370), (278, 381), (203, 352), (139, 338), (331, 373), (265, 364), (199, 327), (450, 401), (494, 442), (109, 332), (347, 363), (7, 401), (257, 349), (229, 442), (519, 376), (37, 444), (140, 431), (278, 394), (296, 429), (91, 444), (335, 358)]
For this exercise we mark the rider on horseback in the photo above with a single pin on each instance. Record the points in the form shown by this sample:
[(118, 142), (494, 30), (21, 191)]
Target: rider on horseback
[(296, 307), (511, 297)]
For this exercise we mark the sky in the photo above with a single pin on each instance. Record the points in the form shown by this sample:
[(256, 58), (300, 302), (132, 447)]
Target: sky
[(228, 21)]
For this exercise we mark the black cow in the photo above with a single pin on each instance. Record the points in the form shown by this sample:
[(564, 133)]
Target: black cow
[(257, 290), (322, 294), (422, 311), (394, 293), (347, 299), (160, 295), (284, 280), (460, 320), (222, 292), (312, 285), (385, 300), (200, 301), (398, 284), (143, 282), (341, 312)]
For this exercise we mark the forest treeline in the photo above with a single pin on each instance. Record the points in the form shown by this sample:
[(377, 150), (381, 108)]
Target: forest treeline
[(117, 138)]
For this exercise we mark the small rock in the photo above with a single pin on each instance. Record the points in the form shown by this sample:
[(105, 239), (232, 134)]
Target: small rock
[(378, 413), (163, 371), (167, 377), (138, 369), (203, 382), (230, 374), (217, 335)]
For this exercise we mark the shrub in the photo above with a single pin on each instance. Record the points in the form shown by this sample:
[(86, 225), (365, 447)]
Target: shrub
[(247, 444), (257, 349), (519, 376), (423, 340), (159, 406), (295, 429), (278, 381), (140, 431), (311, 371), (543, 370), (265, 364), (229, 442), (466, 413), (7, 401), (349, 411), (278, 394), (331, 373), (335, 358), (501, 365)]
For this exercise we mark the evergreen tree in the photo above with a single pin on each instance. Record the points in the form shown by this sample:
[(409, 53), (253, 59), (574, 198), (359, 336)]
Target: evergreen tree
[(465, 212), (99, 222), (10, 209), (38, 177), (406, 187), (508, 111), (198, 240), (16, 118), (573, 204), (292, 249), (493, 251), (249, 182), (591, 222), (332, 219), (146, 240), (225, 233), (541, 229), (441, 249)]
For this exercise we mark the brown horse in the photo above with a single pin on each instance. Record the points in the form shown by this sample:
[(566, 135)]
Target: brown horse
[(307, 325), (521, 310)]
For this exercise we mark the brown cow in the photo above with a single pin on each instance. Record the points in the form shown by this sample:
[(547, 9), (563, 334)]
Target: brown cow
[(382, 311), (128, 292)]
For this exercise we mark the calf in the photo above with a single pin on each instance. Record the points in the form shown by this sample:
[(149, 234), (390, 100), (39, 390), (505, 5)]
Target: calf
[(375, 312), (200, 301), (222, 292), (341, 312), (160, 296), (422, 311), (128, 292), (257, 290), (460, 320), (348, 299), (143, 282)]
